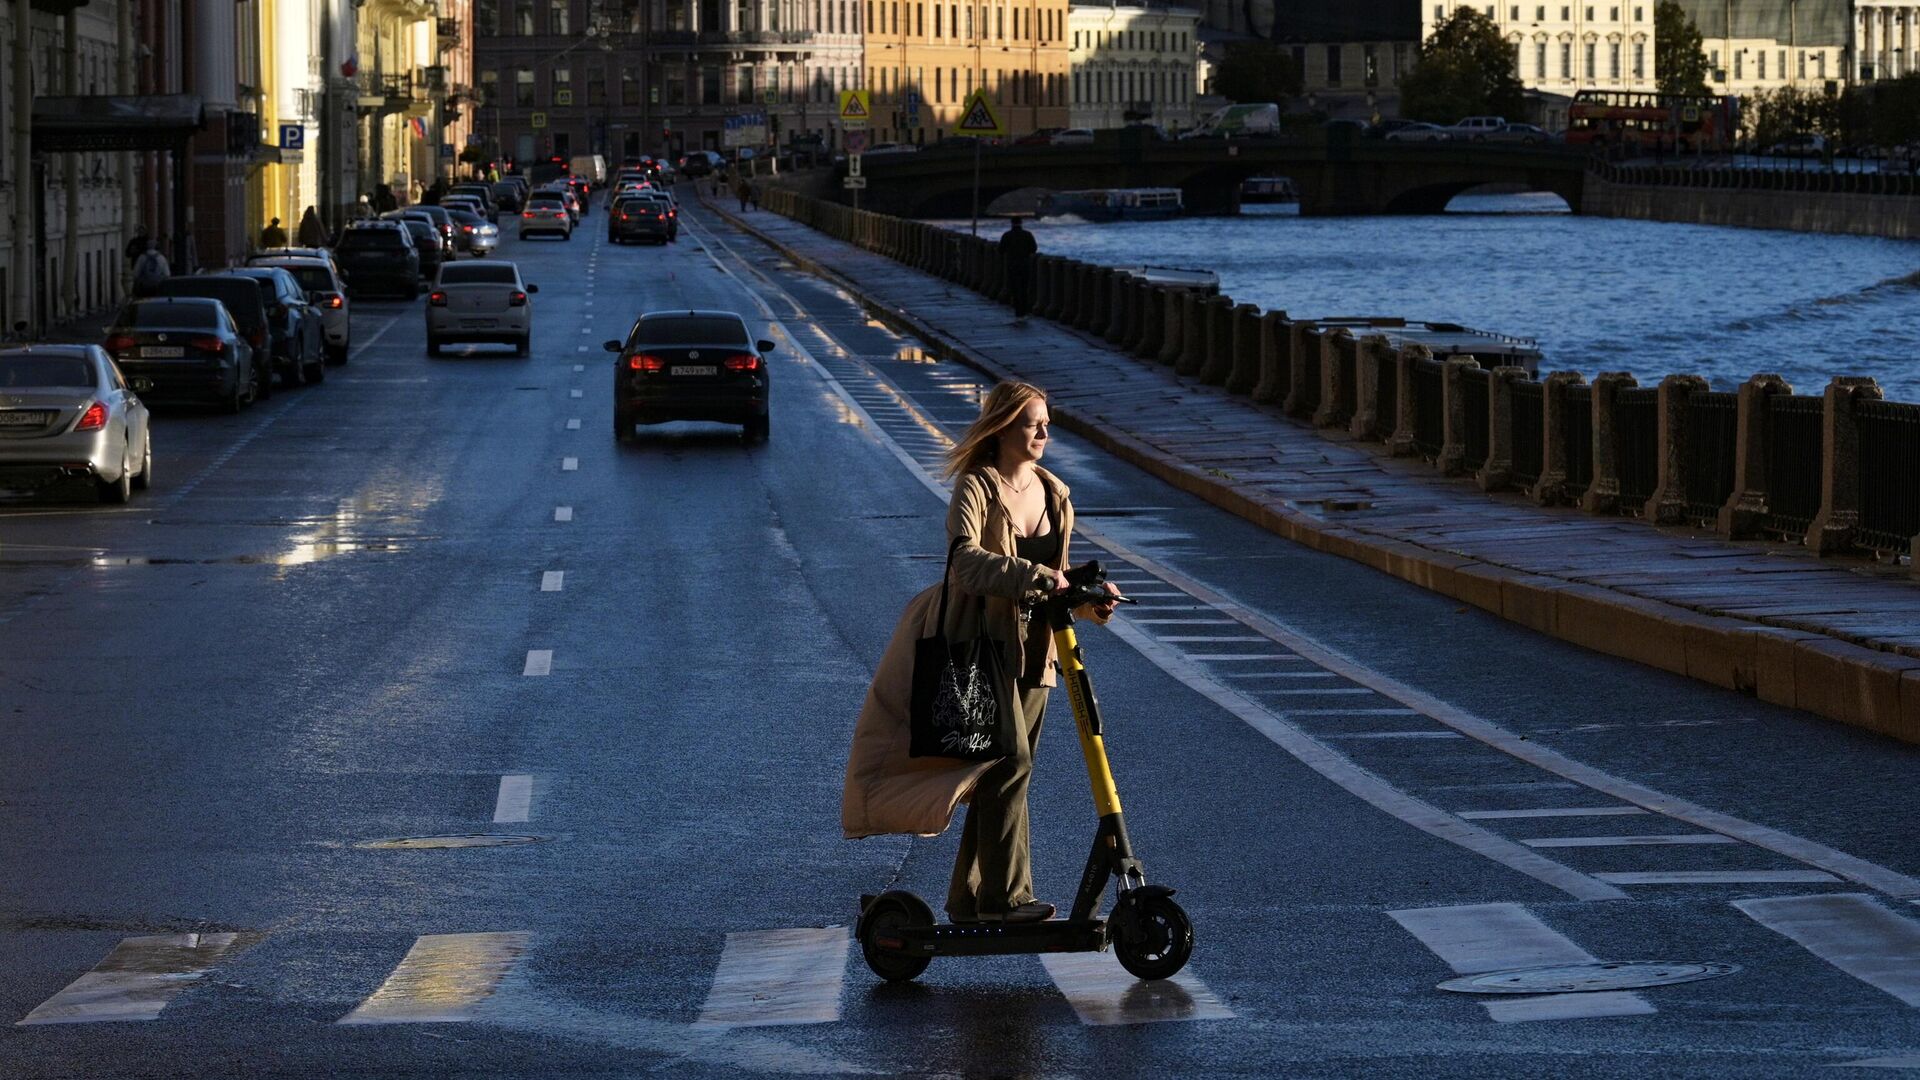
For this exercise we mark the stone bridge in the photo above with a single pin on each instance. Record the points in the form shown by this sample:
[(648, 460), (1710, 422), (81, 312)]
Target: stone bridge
[(1361, 176)]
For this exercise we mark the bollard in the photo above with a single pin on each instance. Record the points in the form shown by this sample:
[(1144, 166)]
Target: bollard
[(1603, 495), (1497, 473), (1101, 309), (1833, 527), (1668, 503), (1042, 285), (1193, 335), (1217, 317), (1551, 488), (1056, 269), (1276, 340), (1373, 362), (1119, 303), (1303, 374), (994, 284), (1245, 373), (1173, 334), (1093, 297), (1405, 422), (1453, 446), (1075, 299), (1336, 349), (1139, 304), (1153, 308), (1748, 506)]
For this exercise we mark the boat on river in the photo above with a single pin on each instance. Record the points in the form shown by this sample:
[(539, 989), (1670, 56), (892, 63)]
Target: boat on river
[(1204, 282), (1268, 189), (1116, 204), (1446, 339)]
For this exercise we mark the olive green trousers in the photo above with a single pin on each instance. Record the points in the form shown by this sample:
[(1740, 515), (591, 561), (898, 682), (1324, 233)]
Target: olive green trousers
[(993, 871)]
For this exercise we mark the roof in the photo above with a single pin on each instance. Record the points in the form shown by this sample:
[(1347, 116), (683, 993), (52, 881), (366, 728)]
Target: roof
[(51, 349), (1784, 21)]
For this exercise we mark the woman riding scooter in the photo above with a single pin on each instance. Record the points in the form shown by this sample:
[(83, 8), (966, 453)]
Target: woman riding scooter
[(1008, 527)]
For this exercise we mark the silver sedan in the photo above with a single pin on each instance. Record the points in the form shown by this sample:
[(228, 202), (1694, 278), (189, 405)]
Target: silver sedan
[(67, 413)]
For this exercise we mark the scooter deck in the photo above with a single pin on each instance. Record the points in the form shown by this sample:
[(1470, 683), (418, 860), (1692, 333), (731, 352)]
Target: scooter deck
[(1002, 939)]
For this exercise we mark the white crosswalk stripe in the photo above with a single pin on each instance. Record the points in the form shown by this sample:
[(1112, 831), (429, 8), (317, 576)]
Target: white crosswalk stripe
[(1853, 933), (1476, 938), (443, 979), (1104, 993), (138, 978), (771, 977)]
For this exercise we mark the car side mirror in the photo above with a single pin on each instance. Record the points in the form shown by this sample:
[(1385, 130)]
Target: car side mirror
[(611, 346), (140, 384), (532, 289), (764, 346)]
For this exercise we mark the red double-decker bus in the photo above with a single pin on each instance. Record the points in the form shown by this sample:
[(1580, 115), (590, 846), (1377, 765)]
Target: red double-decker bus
[(1638, 122)]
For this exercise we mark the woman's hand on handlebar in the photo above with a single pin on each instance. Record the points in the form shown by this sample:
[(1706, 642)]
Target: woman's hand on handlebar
[(1060, 583), (1102, 611)]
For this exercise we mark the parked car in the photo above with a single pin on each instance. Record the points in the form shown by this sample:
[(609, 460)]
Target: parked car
[(698, 163), (1803, 144), (470, 203), (1418, 132), (1038, 137), (1523, 134), (426, 241), (546, 212), (185, 348), (242, 299), (1476, 128), (270, 254), (581, 190), (482, 192), (690, 365), (327, 293), (67, 413), (379, 255), (472, 233), (294, 325), (878, 149), (1073, 137), (639, 217), (508, 196), (441, 221), (480, 300), (1387, 127)]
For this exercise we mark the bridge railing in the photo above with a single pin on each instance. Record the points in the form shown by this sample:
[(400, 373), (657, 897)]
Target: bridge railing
[(1730, 176), (1839, 471)]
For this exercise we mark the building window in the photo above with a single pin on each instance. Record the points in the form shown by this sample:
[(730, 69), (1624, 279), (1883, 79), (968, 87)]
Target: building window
[(1515, 13), (1760, 66), (1739, 63), (1540, 60), (1613, 60), (1369, 65), (1782, 68), (490, 88), (673, 77), (486, 17), (562, 144), (523, 17), (562, 84), (1819, 65), (629, 86), (710, 85), (596, 86), (523, 88), (1439, 13), (1540, 13), (1639, 14), (1613, 14), (939, 25), (1399, 61), (1566, 14), (1566, 61), (745, 88), (1801, 63), (1592, 70), (1333, 65), (559, 19), (1639, 59), (1589, 12)]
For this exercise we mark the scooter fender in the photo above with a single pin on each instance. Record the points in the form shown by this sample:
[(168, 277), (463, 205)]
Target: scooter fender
[(1126, 911)]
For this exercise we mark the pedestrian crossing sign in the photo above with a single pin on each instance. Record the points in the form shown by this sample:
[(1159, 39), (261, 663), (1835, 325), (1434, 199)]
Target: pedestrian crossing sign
[(979, 117), (856, 108)]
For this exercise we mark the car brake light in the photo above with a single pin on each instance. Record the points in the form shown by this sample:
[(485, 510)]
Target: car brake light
[(646, 362), (528, 213), (209, 344), (658, 216), (518, 299), (468, 228), (94, 418), (623, 217), (335, 301), (437, 298), (119, 343), (743, 362)]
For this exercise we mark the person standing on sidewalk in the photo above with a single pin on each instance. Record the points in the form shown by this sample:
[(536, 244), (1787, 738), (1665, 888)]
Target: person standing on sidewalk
[(312, 233), (273, 236), (744, 190), (1017, 249)]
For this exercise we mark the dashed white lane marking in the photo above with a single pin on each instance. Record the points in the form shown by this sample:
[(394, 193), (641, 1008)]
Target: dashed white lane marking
[(1345, 712), (1193, 640), (1313, 691), (1629, 841), (1851, 932), (582, 348), (569, 464), (1103, 992), (1899, 1061), (769, 977), (1552, 811), (515, 801), (573, 425), (138, 978), (539, 662), (1474, 938), (443, 979), (553, 580), (1716, 877), (576, 393), (586, 329), (563, 513), (1397, 735), (580, 367)]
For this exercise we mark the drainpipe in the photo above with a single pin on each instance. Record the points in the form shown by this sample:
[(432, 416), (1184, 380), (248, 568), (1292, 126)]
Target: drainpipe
[(70, 179), (24, 272), (132, 207)]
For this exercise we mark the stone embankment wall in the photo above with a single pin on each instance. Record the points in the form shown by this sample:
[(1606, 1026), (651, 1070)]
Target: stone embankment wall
[(1854, 204)]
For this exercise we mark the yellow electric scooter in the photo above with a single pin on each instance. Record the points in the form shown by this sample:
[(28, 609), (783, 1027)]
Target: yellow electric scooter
[(1150, 934)]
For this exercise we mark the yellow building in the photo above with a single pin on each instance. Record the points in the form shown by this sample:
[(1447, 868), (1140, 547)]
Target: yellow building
[(924, 58)]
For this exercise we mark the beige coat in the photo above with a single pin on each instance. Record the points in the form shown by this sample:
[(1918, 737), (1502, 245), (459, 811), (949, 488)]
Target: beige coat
[(887, 791)]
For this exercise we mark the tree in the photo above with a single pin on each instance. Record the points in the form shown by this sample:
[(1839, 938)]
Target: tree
[(1466, 69), (1677, 53), (1256, 71)]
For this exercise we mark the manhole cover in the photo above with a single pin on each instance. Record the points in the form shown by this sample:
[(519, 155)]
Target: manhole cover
[(460, 840), (1585, 978)]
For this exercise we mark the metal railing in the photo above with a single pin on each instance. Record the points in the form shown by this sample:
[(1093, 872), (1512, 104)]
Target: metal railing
[(1476, 387), (1889, 474), (1713, 433), (1636, 444), (1529, 430), (1429, 410), (1794, 459)]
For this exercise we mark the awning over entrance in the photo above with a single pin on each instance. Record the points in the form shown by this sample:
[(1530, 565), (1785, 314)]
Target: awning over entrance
[(110, 123)]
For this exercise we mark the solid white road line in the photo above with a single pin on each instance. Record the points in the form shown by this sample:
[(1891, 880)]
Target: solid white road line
[(573, 425), (1552, 811), (138, 978), (1898, 1061), (1229, 658), (1716, 877), (1278, 674), (1183, 640), (1851, 932), (563, 513), (1314, 692), (515, 801), (443, 979), (1475, 938), (569, 464), (1397, 735), (553, 580), (769, 977), (1102, 992), (1629, 841), (539, 662), (1344, 712)]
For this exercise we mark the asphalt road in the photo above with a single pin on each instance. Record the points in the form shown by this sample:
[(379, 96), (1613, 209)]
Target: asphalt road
[(420, 601)]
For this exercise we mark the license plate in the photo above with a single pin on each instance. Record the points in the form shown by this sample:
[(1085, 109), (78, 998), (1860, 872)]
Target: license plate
[(162, 350), (477, 324), (23, 419), (697, 369)]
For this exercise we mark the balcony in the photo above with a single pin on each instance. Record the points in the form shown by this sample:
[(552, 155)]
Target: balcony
[(755, 37), (447, 31)]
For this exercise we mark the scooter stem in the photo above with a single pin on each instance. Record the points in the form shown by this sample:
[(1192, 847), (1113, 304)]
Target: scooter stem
[(1086, 719)]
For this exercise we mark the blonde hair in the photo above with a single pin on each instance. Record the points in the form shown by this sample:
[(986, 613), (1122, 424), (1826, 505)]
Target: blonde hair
[(1001, 408)]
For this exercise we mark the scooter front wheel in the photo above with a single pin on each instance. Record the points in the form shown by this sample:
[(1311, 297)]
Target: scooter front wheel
[(880, 926), (1155, 940)]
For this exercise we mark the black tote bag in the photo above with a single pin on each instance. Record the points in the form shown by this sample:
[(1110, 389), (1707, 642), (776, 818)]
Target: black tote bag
[(958, 708)]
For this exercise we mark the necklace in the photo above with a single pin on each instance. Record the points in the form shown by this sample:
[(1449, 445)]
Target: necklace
[(1005, 483)]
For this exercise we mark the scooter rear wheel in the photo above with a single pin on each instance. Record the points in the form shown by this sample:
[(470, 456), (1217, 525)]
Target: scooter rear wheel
[(1161, 940), (890, 913)]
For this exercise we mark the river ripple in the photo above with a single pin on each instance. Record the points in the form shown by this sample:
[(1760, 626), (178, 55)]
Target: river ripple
[(1599, 294)]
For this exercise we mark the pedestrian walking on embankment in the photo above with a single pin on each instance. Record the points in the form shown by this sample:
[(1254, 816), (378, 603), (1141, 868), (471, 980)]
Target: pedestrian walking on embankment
[(744, 190), (1017, 249), (1008, 527), (312, 233), (273, 236)]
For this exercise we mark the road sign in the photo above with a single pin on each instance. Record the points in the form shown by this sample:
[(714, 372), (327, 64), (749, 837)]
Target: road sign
[(979, 117), (293, 136), (854, 183), (853, 164), (446, 149), (856, 108), (563, 97), (772, 96), (855, 142), (539, 119)]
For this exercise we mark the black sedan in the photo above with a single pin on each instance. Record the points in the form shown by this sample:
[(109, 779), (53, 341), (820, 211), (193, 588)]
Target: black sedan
[(690, 365), (377, 255), (293, 322), (186, 348)]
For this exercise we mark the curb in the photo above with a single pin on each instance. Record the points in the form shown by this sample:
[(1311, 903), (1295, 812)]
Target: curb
[(1862, 687)]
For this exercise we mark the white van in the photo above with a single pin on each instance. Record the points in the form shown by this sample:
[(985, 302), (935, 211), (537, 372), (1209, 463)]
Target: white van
[(1477, 128), (591, 166)]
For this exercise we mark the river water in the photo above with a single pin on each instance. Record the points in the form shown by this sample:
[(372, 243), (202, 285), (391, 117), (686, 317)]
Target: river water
[(1599, 294)]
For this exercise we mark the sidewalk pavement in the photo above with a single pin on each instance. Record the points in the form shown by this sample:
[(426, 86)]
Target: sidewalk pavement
[(1837, 638)]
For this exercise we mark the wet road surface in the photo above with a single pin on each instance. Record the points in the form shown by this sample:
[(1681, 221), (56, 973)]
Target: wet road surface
[(410, 727)]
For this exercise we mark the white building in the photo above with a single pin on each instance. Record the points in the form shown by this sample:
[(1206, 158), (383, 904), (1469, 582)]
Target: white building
[(1133, 62), (1563, 46), (1884, 39), (1759, 45)]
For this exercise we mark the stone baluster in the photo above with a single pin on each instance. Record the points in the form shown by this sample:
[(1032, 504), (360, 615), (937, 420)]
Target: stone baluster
[(1668, 503), (1246, 350), (1042, 284), (1497, 473), (1276, 339), (1453, 390), (1833, 527), (1218, 316), (1300, 382), (1334, 349), (1172, 326), (1372, 362), (1551, 488), (1193, 334), (1153, 308), (1749, 506), (1603, 495), (1120, 307)]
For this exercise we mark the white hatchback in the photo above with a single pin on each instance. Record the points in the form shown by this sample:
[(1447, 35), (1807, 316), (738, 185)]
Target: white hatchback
[(480, 300), (324, 288)]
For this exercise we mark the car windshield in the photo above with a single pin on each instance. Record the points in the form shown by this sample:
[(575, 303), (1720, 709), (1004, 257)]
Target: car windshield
[(691, 330), (372, 240), (546, 200), (465, 217), (478, 274), (312, 278), (30, 371), (165, 313), (631, 203)]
